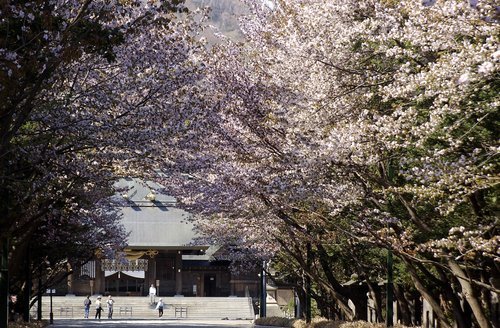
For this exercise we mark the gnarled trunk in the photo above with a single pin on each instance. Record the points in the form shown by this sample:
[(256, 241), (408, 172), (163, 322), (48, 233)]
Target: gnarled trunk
[(427, 295), (404, 306), (469, 294)]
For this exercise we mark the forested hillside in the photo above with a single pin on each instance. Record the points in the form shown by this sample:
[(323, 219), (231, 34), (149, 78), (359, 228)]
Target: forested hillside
[(224, 14)]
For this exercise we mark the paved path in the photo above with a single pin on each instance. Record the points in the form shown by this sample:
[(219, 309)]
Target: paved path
[(172, 323)]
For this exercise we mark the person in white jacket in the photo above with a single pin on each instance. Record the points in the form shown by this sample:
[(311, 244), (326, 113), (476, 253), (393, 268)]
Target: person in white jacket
[(110, 303), (152, 294), (98, 308)]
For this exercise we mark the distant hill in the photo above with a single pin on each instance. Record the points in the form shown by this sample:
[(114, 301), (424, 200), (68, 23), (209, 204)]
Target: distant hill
[(224, 15)]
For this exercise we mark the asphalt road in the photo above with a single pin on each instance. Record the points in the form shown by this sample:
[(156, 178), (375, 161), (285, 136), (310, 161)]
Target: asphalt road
[(105, 323)]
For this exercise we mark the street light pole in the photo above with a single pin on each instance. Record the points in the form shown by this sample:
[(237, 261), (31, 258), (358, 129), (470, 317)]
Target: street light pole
[(308, 283), (51, 315), (40, 293), (390, 310), (263, 293)]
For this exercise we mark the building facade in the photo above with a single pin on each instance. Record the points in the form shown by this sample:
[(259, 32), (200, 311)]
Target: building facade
[(160, 252)]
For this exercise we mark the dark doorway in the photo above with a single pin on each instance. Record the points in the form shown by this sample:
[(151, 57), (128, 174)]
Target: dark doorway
[(210, 285), (165, 275), (123, 285)]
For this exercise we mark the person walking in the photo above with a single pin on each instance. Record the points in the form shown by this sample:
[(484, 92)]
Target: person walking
[(159, 307), (86, 305), (98, 308), (110, 303), (152, 294)]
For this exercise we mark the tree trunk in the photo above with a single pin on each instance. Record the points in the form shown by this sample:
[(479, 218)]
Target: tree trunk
[(27, 286), (338, 291), (451, 295), (404, 305), (427, 295), (4, 281), (469, 294), (377, 300)]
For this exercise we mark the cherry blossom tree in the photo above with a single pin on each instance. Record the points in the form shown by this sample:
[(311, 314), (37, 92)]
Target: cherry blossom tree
[(90, 89), (373, 120)]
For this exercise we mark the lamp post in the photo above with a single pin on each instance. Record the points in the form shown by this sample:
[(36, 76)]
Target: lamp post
[(51, 315), (40, 293), (390, 310), (307, 283), (263, 293)]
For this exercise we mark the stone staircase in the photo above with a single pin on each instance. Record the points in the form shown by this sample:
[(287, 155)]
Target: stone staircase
[(213, 308)]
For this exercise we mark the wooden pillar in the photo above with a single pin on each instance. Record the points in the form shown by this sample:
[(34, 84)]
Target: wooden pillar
[(178, 273), (231, 283), (151, 273)]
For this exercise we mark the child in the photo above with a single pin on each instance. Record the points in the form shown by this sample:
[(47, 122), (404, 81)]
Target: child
[(159, 307)]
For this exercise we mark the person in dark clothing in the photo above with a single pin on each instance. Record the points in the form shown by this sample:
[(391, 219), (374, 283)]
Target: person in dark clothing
[(98, 308)]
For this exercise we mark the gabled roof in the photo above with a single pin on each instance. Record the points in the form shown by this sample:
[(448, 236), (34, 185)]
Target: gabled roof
[(154, 221)]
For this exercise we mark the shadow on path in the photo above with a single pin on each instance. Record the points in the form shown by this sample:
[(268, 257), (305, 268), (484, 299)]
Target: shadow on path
[(105, 323)]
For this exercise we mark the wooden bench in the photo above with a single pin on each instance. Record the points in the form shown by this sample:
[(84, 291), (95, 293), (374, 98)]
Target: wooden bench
[(126, 309), (181, 311), (67, 311)]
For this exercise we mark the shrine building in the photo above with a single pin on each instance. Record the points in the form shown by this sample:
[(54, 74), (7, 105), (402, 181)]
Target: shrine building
[(161, 252)]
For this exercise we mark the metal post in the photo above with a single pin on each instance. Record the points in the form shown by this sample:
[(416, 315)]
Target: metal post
[(389, 305), (308, 283), (263, 293), (39, 292), (51, 320)]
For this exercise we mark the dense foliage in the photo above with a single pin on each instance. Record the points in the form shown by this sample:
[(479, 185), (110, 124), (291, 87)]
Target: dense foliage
[(334, 132), (88, 90), (356, 127)]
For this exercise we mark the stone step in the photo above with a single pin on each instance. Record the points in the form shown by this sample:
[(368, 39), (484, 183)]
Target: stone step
[(139, 307)]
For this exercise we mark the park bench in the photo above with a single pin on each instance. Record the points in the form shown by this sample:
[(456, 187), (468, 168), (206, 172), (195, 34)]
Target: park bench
[(126, 310), (180, 311), (66, 311)]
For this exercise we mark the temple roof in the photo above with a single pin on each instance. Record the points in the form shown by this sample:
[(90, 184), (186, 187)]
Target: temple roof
[(152, 218)]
